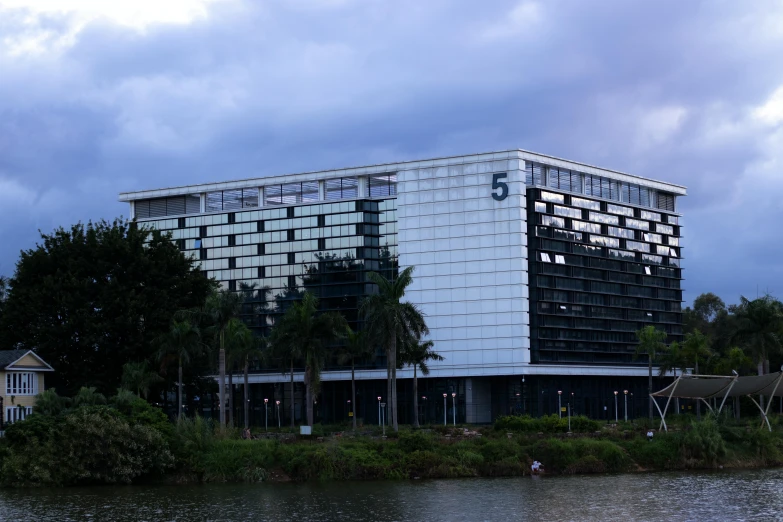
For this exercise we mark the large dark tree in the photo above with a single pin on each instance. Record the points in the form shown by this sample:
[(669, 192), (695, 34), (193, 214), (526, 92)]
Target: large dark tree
[(91, 298)]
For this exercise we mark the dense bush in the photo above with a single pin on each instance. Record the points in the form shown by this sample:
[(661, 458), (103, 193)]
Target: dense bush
[(87, 445), (547, 424)]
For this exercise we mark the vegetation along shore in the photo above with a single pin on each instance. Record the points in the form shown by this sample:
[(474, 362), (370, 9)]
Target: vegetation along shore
[(93, 440)]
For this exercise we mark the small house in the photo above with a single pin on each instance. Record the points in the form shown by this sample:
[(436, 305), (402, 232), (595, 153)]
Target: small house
[(22, 374)]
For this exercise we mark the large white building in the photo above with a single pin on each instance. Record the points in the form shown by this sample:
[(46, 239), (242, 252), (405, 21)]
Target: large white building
[(525, 265)]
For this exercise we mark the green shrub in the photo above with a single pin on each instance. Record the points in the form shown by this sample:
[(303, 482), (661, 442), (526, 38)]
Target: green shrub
[(415, 441), (662, 453), (238, 460), (704, 442), (88, 445), (586, 464)]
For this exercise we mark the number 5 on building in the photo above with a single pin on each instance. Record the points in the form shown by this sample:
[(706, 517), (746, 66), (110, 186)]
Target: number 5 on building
[(502, 185)]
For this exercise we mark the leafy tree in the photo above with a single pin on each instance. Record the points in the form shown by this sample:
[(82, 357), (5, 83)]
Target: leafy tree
[(355, 347), (305, 331), (181, 342), (651, 343), (88, 397), (49, 403), (221, 307), (417, 354), (392, 322), (90, 298), (138, 376)]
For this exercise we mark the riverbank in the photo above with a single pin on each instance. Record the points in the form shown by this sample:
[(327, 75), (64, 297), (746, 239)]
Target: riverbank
[(506, 449), (128, 441)]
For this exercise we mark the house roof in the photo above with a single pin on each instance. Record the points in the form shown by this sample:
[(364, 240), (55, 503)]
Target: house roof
[(8, 358)]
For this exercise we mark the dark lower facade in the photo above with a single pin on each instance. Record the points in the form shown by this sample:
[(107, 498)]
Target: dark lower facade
[(478, 400)]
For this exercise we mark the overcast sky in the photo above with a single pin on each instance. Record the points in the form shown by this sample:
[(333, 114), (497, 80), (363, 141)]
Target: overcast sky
[(101, 97)]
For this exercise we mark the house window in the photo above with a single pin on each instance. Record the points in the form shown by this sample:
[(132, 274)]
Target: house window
[(21, 383), (17, 413)]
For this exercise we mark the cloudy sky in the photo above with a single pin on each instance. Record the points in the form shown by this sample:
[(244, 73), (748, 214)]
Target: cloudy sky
[(101, 97)]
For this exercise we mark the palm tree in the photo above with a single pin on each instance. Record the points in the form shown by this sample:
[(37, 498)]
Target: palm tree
[(302, 330), (181, 342), (138, 376), (417, 354), (355, 347), (759, 323), (392, 322), (242, 346), (672, 360), (695, 348), (220, 308), (651, 343)]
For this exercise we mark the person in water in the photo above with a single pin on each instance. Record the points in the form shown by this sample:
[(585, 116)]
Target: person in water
[(536, 466)]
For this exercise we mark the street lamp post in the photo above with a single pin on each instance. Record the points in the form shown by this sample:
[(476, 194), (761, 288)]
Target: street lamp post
[(266, 414), (444, 408), (424, 407), (350, 408), (572, 402), (523, 395), (615, 406), (379, 410), (454, 405), (559, 406), (277, 405), (569, 417), (625, 392), (383, 411)]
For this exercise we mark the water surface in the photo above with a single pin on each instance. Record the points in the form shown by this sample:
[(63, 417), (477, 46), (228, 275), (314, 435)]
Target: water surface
[(725, 495)]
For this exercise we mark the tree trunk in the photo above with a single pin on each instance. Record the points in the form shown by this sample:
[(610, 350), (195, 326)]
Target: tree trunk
[(649, 388), (394, 424), (415, 399), (308, 395), (222, 381), (292, 393), (388, 383), (698, 401), (179, 390), (247, 397), (231, 396), (353, 394), (761, 372)]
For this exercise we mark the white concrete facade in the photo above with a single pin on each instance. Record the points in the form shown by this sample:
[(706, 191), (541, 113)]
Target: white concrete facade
[(470, 257)]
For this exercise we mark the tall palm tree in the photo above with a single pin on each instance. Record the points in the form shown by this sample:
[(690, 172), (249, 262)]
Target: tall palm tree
[(759, 323), (417, 354), (181, 342), (220, 308), (672, 360), (651, 343), (392, 323), (138, 376), (304, 331), (695, 348), (355, 347), (242, 346)]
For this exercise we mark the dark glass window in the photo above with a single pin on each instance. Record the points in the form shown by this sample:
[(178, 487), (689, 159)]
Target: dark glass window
[(593, 299), (640, 291), (604, 287), (569, 284)]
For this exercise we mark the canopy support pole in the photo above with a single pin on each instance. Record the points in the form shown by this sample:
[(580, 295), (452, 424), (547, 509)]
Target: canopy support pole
[(666, 408), (733, 382), (769, 402), (763, 414), (663, 414), (707, 403)]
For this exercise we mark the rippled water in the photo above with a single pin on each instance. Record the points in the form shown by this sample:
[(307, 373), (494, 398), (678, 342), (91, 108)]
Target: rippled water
[(726, 495)]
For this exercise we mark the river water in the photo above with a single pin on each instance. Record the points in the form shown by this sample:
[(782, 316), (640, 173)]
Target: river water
[(725, 495)]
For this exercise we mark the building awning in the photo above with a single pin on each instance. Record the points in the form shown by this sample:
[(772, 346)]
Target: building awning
[(703, 387)]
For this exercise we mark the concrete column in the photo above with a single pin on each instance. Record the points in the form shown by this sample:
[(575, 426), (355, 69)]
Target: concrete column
[(362, 186), (260, 196), (321, 190)]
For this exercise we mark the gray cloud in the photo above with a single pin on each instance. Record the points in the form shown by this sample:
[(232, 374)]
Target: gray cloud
[(666, 89)]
